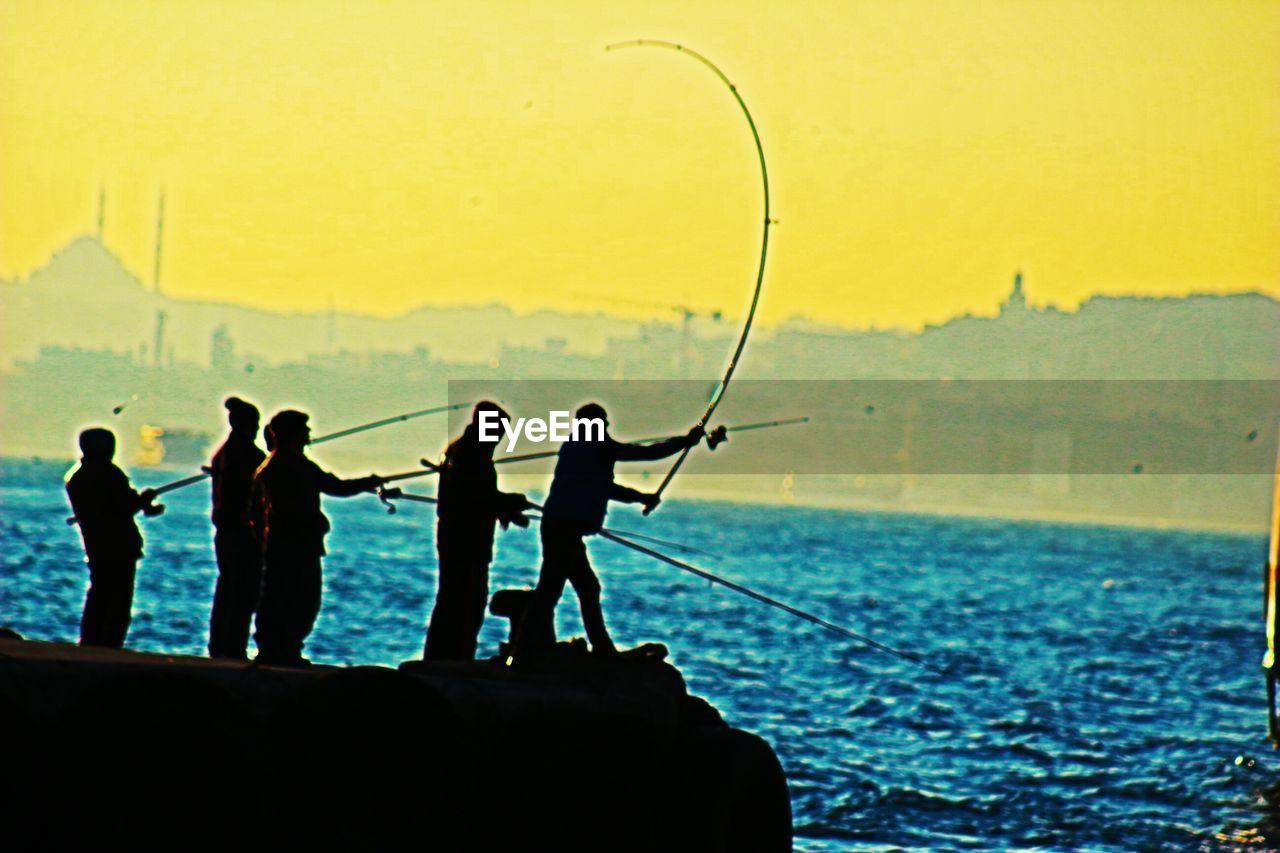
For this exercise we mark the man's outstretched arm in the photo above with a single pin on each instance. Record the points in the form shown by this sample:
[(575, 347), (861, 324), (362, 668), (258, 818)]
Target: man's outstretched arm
[(623, 494), (340, 488), (659, 449)]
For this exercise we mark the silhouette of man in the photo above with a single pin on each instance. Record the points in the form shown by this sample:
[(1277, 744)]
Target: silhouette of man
[(580, 493), (237, 548), (469, 506), (104, 503), (286, 494)]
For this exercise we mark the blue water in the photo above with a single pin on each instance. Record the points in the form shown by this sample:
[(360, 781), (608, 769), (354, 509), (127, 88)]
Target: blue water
[(1102, 688)]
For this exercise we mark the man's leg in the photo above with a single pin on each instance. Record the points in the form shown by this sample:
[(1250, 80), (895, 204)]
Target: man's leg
[(109, 603), (310, 589), (248, 589), (445, 627), (91, 619), (273, 633), (477, 601), (587, 586), (538, 627), (220, 614), (235, 596)]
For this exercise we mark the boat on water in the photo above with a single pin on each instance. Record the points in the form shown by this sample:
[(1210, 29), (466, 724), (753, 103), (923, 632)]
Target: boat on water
[(161, 446), (568, 753)]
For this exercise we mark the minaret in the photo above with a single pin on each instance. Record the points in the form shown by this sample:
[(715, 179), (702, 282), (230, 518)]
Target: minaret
[(1017, 300), (157, 353), (158, 350), (155, 276)]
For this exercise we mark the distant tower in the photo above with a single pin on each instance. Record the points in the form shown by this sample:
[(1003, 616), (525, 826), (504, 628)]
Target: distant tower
[(157, 353), (102, 208), (1017, 300), (222, 350), (155, 275)]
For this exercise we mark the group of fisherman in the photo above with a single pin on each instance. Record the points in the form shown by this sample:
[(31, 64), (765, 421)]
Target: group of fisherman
[(270, 534)]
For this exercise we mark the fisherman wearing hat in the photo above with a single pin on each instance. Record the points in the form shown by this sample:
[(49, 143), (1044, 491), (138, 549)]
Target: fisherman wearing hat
[(238, 550), (286, 495), (469, 506), (104, 503), (580, 493)]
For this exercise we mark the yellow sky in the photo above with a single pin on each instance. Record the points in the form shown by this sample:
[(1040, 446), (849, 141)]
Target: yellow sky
[(390, 154)]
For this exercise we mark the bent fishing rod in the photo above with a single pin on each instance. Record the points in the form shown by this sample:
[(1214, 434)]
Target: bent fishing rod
[(621, 539), (723, 385), (342, 433)]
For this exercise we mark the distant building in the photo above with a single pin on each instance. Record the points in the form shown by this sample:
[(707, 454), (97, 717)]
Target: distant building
[(222, 350)]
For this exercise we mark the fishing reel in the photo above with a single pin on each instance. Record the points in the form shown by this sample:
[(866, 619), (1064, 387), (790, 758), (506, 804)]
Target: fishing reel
[(717, 436), (387, 496)]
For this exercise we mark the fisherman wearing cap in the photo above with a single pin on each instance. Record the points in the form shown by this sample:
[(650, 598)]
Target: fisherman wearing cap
[(469, 506), (580, 493), (104, 503), (286, 494), (238, 550)]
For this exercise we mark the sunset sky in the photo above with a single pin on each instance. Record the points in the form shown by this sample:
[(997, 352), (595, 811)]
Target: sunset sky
[(385, 155)]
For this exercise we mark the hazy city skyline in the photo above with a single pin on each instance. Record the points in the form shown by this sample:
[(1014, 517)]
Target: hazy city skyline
[(63, 369), (121, 312)]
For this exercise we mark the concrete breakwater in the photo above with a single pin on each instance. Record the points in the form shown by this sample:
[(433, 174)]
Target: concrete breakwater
[(570, 753)]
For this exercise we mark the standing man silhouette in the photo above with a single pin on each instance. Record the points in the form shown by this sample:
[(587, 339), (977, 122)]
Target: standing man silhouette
[(237, 548), (104, 503), (580, 493), (469, 507), (286, 496)]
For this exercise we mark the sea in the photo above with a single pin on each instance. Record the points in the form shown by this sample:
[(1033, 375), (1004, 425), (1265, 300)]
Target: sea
[(1089, 688)]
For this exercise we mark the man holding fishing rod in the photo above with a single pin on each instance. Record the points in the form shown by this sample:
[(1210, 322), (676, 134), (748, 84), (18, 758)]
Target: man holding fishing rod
[(576, 507), (104, 503), (112, 538), (470, 504), (286, 506)]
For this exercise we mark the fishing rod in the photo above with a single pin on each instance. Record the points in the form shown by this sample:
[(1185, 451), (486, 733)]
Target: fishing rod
[(321, 439), (427, 468), (388, 495), (133, 398), (408, 416), (342, 433), (715, 438), (723, 385), (615, 536), (773, 602), (631, 534)]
